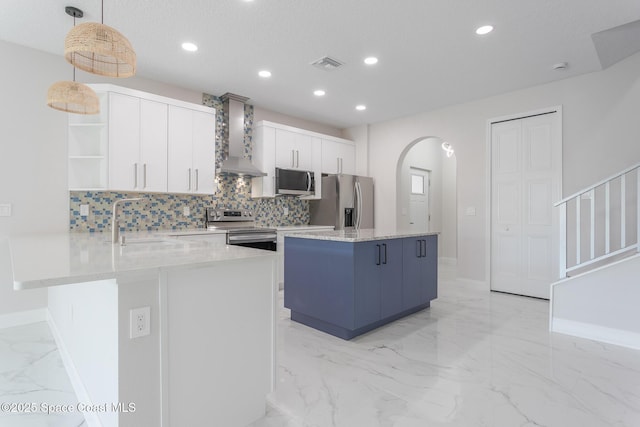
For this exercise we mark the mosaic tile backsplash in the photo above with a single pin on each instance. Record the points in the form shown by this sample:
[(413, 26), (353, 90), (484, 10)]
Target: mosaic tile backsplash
[(162, 211)]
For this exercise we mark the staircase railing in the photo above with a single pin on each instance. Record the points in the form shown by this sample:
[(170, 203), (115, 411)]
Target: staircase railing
[(609, 201)]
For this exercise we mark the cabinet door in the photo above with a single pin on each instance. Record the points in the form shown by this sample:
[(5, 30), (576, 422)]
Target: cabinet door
[(303, 152), (330, 159), (204, 152), (180, 150), (430, 269), (347, 155), (285, 149), (412, 272), (391, 277), (152, 173), (124, 142), (367, 282)]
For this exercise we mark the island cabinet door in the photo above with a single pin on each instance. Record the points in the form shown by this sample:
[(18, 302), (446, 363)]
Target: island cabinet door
[(412, 272), (391, 277), (430, 268), (419, 270), (367, 283)]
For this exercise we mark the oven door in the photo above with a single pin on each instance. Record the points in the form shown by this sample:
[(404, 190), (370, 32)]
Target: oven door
[(266, 241)]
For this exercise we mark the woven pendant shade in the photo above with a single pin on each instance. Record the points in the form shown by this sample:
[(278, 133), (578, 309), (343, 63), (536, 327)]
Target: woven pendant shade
[(73, 97), (100, 49)]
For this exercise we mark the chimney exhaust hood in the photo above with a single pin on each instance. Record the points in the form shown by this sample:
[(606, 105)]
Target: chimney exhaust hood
[(236, 163)]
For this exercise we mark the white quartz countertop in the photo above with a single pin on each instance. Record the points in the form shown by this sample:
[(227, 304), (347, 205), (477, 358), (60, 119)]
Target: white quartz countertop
[(297, 228), (43, 260), (362, 235)]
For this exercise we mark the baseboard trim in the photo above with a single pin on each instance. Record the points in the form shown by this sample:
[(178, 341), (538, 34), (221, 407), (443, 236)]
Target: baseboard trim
[(479, 283), (20, 318), (596, 332), (81, 392)]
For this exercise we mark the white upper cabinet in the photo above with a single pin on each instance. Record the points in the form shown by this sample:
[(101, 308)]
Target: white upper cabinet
[(293, 150), (152, 143), (281, 146), (338, 157), (191, 163), (137, 144)]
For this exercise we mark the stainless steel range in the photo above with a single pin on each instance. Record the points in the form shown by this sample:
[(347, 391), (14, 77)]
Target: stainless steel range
[(241, 229)]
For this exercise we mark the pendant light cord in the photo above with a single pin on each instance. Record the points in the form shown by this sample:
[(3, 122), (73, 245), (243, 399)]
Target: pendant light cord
[(102, 13), (74, 68)]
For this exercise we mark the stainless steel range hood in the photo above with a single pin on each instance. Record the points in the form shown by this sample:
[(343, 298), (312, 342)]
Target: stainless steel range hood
[(236, 163)]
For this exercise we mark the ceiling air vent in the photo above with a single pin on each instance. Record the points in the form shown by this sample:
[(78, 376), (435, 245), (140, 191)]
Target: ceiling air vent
[(327, 63)]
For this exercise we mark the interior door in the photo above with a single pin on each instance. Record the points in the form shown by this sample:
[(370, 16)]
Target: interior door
[(419, 214), (526, 159)]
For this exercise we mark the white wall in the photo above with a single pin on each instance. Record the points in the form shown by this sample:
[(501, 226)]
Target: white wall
[(600, 137)]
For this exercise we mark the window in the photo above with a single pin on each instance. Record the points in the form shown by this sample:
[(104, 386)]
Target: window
[(417, 184)]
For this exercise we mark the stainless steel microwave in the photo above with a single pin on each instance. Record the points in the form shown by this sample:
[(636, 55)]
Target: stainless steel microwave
[(292, 182)]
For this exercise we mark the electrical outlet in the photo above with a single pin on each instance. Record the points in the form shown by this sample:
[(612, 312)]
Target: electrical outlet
[(285, 210), (84, 210), (140, 319), (186, 211)]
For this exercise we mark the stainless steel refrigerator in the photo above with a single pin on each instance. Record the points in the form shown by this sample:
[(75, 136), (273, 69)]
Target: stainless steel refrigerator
[(347, 202)]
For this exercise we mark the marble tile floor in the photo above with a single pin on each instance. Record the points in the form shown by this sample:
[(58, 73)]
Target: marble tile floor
[(31, 371), (474, 359)]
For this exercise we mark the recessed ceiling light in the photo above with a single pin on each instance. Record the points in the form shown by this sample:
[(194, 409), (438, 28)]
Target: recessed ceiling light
[(485, 29), (189, 47), (371, 60), (361, 107), (264, 73), (319, 92)]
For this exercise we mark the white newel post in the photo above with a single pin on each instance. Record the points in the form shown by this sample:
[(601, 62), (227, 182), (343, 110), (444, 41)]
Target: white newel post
[(563, 241)]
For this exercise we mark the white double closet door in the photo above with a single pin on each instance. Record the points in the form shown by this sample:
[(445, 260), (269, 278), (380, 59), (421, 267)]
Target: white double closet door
[(526, 174)]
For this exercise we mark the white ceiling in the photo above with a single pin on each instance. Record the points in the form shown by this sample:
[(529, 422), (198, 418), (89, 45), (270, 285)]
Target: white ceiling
[(429, 54)]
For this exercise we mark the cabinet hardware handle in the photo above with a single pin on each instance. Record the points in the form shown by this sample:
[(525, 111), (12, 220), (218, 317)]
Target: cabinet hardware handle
[(144, 175), (384, 245), (424, 248), (337, 164), (197, 180), (341, 165), (135, 175), (418, 248), (378, 255), (189, 179), (297, 159), (293, 164)]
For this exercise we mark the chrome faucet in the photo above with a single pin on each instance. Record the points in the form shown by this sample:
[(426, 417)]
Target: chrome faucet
[(115, 226)]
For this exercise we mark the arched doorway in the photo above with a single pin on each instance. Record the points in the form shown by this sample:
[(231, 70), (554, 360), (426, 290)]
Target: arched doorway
[(426, 196)]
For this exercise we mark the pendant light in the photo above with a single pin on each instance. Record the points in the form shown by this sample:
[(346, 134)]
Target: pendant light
[(100, 49), (73, 97)]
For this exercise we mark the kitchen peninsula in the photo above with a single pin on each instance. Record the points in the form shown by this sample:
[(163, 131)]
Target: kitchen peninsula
[(348, 282), (202, 353)]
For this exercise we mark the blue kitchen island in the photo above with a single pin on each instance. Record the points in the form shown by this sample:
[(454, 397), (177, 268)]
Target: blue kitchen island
[(348, 282)]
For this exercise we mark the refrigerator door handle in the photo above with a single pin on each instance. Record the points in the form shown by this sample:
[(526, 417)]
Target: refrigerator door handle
[(359, 205), (356, 206)]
